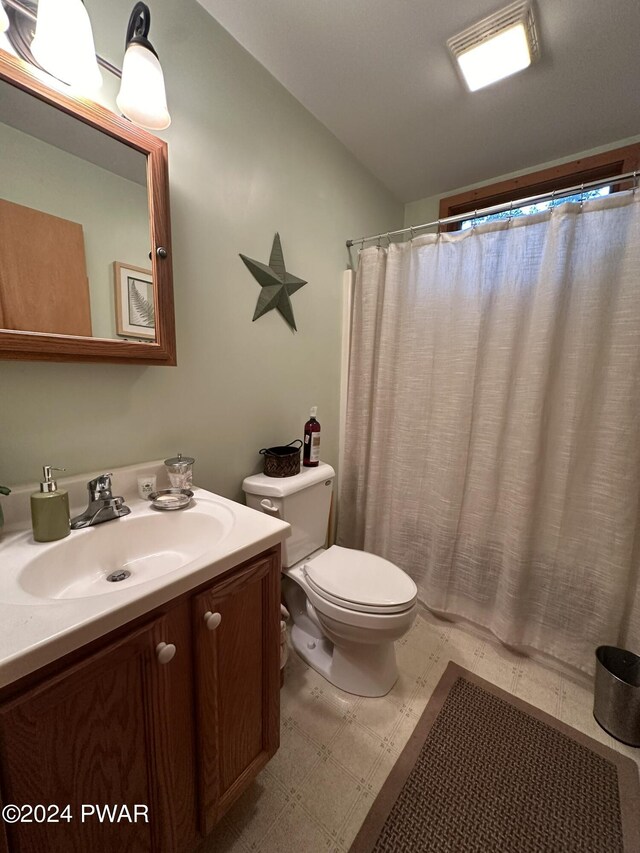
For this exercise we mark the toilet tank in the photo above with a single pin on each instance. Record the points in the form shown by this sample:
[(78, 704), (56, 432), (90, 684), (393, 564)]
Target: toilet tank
[(303, 501)]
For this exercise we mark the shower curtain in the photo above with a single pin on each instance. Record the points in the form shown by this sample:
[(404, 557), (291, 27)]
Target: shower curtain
[(492, 444)]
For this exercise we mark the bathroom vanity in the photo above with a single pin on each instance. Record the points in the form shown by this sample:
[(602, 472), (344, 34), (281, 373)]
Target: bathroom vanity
[(175, 709)]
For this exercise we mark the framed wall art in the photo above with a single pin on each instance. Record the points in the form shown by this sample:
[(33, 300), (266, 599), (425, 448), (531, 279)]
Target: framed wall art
[(135, 309)]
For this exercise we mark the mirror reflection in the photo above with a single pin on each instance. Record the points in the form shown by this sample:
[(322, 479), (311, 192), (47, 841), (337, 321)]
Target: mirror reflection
[(74, 226)]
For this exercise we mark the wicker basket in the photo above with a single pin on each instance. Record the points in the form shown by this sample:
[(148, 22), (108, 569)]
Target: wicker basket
[(282, 461)]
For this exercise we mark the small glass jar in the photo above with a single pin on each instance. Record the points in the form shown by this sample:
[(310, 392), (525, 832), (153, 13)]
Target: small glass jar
[(180, 471)]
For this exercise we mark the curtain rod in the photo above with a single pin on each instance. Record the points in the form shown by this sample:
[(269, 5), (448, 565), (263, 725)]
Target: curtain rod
[(29, 13), (498, 208)]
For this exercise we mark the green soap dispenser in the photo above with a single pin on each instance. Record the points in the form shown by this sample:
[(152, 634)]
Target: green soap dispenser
[(50, 509)]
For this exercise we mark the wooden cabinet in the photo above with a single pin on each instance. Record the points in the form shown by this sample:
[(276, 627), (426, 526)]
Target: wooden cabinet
[(237, 653), (180, 728)]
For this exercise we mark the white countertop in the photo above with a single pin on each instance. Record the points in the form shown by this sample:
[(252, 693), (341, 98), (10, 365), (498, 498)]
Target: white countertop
[(35, 631)]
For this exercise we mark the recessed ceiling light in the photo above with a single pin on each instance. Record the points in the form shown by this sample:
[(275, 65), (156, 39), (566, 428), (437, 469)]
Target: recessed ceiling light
[(497, 46)]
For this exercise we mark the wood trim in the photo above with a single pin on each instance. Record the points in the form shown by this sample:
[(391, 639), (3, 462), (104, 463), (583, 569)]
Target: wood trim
[(167, 743), (21, 720), (206, 715), (170, 691), (239, 787), (271, 642), (270, 576), (219, 787), (4, 842), (43, 347), (614, 162), (128, 645)]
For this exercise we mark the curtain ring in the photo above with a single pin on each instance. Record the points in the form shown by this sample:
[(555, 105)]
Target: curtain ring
[(510, 217), (388, 239), (362, 245), (473, 221), (378, 242), (635, 181), (411, 232), (581, 195), (439, 225)]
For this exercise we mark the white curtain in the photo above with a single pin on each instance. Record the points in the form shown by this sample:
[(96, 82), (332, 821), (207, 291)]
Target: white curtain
[(492, 440)]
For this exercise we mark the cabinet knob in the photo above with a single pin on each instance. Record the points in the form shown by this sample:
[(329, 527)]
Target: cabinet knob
[(212, 620), (165, 652)]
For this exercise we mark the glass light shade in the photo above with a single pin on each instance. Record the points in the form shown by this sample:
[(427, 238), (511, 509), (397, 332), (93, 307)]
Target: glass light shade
[(498, 57), (142, 96), (63, 43), (4, 19)]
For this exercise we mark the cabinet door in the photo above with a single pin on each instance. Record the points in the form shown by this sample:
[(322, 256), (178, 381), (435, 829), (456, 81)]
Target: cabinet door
[(113, 730), (237, 626)]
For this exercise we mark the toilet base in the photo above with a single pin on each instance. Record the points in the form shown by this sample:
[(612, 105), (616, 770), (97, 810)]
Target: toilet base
[(362, 669)]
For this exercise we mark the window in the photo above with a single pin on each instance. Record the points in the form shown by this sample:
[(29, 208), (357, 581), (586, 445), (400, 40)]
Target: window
[(557, 178), (528, 209)]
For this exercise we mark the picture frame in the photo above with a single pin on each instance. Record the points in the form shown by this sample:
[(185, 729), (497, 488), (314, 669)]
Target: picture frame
[(135, 308)]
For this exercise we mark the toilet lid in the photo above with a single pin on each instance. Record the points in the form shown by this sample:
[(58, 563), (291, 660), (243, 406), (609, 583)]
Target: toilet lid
[(358, 580)]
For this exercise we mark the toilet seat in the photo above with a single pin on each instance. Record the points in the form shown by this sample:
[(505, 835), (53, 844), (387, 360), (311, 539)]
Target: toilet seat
[(344, 612), (356, 580)]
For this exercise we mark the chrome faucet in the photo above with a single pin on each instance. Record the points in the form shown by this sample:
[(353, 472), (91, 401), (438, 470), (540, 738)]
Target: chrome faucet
[(102, 505)]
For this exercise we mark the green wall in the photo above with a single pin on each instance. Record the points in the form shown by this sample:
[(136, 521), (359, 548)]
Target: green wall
[(246, 160)]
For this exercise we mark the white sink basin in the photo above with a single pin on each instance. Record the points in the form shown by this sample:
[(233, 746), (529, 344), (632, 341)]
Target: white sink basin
[(144, 546), (55, 596)]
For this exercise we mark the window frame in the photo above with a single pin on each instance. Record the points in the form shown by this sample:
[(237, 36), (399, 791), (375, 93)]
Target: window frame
[(596, 167)]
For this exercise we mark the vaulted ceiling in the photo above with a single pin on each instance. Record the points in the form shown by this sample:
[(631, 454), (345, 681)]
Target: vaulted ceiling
[(379, 76)]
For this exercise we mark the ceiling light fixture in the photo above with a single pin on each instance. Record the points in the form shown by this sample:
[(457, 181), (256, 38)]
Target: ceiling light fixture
[(497, 46), (142, 96), (63, 43)]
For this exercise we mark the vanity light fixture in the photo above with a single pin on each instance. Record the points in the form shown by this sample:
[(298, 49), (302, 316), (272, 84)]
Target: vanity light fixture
[(497, 46), (4, 19), (142, 97), (63, 43)]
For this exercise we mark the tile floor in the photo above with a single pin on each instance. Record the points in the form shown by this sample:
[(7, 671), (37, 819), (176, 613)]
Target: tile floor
[(336, 750)]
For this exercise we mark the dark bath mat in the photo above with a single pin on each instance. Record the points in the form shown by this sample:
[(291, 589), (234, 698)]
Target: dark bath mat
[(485, 772)]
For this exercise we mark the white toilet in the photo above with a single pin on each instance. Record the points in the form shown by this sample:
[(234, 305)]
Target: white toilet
[(348, 607)]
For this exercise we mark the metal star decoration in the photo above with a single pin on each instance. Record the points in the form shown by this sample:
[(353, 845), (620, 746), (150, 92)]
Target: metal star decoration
[(277, 284)]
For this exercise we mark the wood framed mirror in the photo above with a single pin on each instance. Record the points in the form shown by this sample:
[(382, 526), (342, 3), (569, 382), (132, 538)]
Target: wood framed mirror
[(85, 234)]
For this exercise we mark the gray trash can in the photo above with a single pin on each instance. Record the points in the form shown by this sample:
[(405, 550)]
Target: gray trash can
[(616, 705)]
